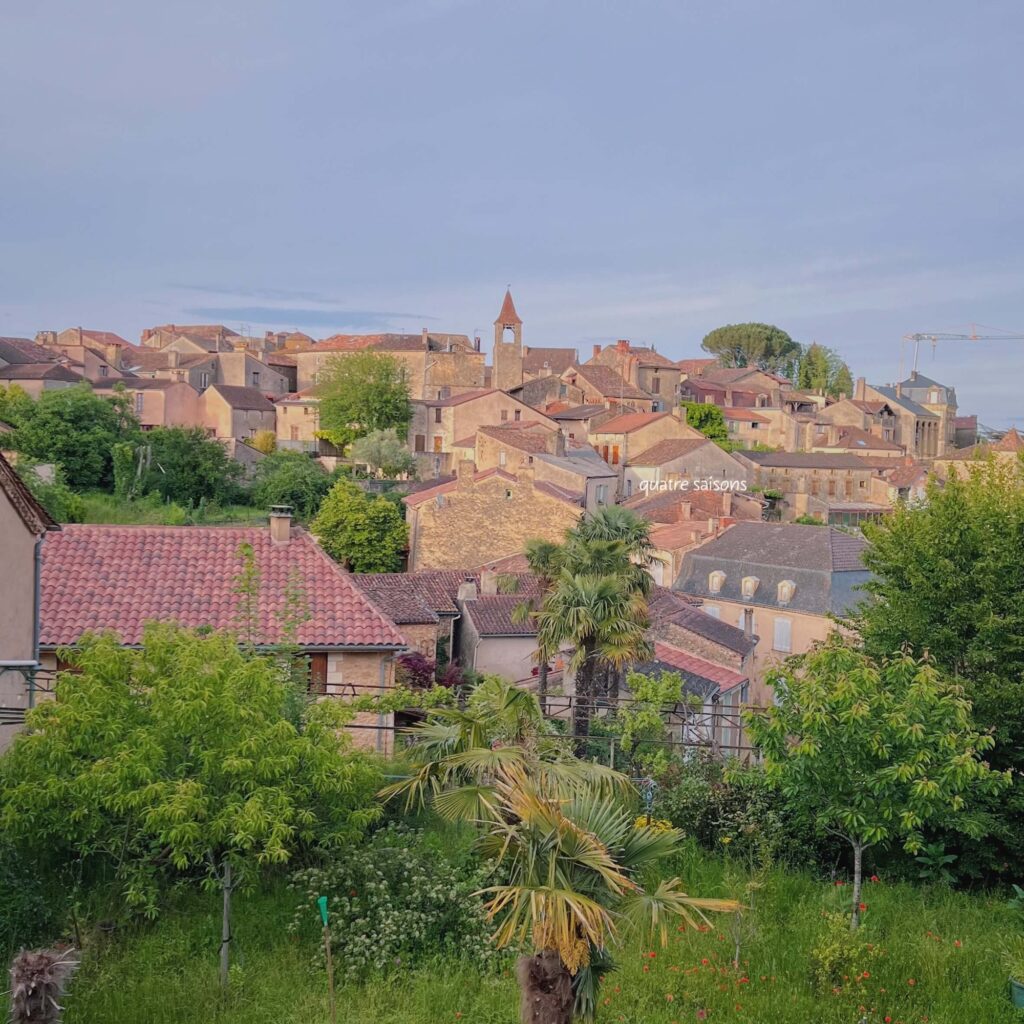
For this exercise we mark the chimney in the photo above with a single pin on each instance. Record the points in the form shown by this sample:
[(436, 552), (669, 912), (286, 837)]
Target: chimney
[(147, 333), (597, 351), (173, 357), (913, 373), (79, 335), (748, 622), (622, 345), (464, 472), (476, 342), (832, 435), (860, 389), (488, 583), (280, 524), (424, 338), (899, 389), (466, 591), (559, 443)]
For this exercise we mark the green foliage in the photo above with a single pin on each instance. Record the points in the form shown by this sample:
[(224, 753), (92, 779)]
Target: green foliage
[(760, 345), (707, 418), (1013, 958), (54, 495), (948, 578), (821, 369), (872, 751), (840, 957), (393, 902), (290, 478), (152, 510), (75, 428), (809, 521), (265, 441), (363, 392), (185, 466), (934, 863), (178, 756), (366, 534), (15, 405), (641, 722), (29, 915), (385, 453)]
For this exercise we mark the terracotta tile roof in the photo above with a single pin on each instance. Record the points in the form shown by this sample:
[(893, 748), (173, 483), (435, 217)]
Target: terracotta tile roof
[(811, 460), (137, 383), (606, 381), (871, 407), (628, 422), (667, 450), (492, 615), (460, 399), (209, 332), (557, 360), (905, 476), (577, 412), (561, 493), (508, 314), (32, 514), (522, 440), (857, 440), (693, 665), (466, 442), (695, 367), (666, 606), (121, 577), (1011, 441), (744, 415), (105, 338), (22, 350), (280, 359), (243, 398), (654, 505), (510, 563), (39, 371), (401, 601), (675, 536), (965, 422), (418, 497)]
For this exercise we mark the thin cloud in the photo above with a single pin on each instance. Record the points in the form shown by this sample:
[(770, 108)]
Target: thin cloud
[(366, 319)]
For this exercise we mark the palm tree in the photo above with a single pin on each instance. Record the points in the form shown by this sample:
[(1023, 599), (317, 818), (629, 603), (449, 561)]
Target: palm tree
[(543, 558), (562, 834)]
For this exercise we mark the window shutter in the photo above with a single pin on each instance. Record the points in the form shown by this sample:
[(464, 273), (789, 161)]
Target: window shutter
[(783, 640)]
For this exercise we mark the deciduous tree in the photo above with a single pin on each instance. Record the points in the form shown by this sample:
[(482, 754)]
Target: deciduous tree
[(385, 453), (366, 534), (360, 393), (290, 478), (821, 369)]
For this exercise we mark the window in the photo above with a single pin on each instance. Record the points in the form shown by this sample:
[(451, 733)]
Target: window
[(504, 415), (501, 457), (419, 443), (615, 454), (713, 610), (563, 390), (786, 590), (716, 580), (103, 371), (437, 444), (138, 403), (437, 415), (204, 379), (629, 488), (518, 415), (255, 378), (602, 494), (782, 639), (748, 586), (252, 431), (656, 385), (293, 433), (508, 493)]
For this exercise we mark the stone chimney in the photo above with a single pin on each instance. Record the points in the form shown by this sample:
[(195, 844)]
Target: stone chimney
[(748, 622), (466, 591), (913, 373), (464, 472), (425, 338), (280, 524), (559, 443), (597, 351), (860, 389), (476, 342), (488, 583), (622, 345), (80, 339)]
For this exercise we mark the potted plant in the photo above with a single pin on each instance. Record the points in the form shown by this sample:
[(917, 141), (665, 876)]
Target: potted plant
[(1013, 958)]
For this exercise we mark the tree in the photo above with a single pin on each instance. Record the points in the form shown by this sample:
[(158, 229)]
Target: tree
[(948, 579), (52, 492), (821, 369), (178, 757), (265, 441), (360, 393), (708, 419), (759, 345), (564, 839), (183, 465), (872, 751), (15, 405), (290, 478), (366, 534), (542, 557), (76, 428), (385, 453)]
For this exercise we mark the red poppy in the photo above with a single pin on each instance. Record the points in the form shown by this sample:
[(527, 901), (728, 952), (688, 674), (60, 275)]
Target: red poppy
[(875, 878), (862, 906)]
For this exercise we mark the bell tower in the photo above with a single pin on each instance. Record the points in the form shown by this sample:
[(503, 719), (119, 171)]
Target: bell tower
[(508, 351)]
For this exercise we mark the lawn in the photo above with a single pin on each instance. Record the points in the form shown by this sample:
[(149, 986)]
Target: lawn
[(937, 959), (101, 507)]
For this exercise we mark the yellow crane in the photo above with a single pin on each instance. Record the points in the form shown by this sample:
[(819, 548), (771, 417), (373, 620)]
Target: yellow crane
[(936, 336)]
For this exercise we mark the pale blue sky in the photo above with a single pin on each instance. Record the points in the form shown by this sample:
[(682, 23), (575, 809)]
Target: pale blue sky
[(646, 170)]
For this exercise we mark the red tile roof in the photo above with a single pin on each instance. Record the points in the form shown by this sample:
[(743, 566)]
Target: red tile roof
[(243, 398), (746, 415), (508, 314), (686, 662), (667, 450), (628, 422), (418, 497), (532, 441), (493, 615), (606, 381), (39, 371), (695, 367), (965, 422), (675, 536), (556, 360), (118, 578), (106, 338)]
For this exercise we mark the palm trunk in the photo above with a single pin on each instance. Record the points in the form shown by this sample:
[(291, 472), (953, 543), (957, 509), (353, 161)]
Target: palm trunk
[(545, 990), (542, 685), (583, 704)]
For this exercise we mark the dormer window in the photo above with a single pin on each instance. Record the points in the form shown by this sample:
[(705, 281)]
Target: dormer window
[(748, 586), (786, 590), (716, 580)]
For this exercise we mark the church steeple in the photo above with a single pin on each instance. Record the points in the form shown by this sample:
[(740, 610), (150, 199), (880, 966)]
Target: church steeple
[(508, 354)]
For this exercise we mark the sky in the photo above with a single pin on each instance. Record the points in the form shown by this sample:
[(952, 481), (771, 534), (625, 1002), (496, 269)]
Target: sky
[(851, 172)]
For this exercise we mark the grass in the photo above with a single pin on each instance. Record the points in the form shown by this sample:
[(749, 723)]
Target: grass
[(937, 960), (150, 510)]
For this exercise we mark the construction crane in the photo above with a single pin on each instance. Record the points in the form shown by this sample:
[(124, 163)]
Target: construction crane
[(936, 336)]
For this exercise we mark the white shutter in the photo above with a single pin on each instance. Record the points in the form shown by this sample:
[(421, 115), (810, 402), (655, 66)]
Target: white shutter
[(783, 640)]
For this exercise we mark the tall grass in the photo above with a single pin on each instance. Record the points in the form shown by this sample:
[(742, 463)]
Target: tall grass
[(938, 960), (151, 510)]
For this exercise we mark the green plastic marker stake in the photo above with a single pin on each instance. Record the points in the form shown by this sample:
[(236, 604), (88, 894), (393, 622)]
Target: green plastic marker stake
[(322, 904)]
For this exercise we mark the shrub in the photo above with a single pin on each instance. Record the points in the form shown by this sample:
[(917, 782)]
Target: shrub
[(27, 915), (841, 956), (393, 902), (415, 671)]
